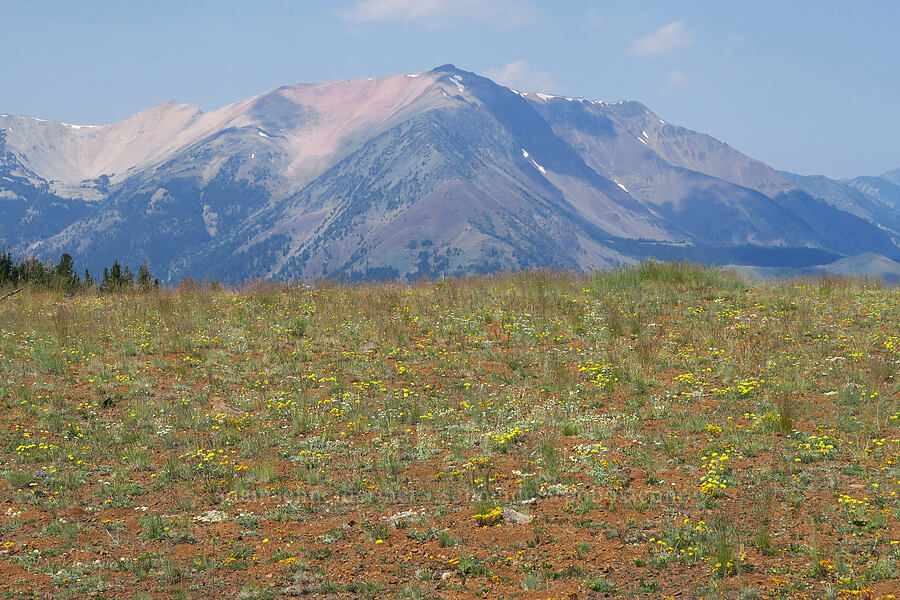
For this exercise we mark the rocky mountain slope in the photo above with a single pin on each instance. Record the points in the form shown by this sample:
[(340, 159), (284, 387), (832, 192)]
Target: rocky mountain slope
[(439, 173), (882, 189)]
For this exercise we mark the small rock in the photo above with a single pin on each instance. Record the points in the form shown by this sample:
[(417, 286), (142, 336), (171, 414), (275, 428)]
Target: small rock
[(402, 516), (211, 516), (447, 575), (515, 517), (637, 475), (220, 406)]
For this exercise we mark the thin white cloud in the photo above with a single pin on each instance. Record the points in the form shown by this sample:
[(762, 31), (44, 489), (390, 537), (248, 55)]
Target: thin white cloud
[(594, 18), (435, 14), (519, 75), (665, 40), (676, 82)]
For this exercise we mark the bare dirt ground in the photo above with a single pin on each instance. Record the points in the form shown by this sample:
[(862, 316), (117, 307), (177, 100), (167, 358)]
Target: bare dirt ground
[(662, 432)]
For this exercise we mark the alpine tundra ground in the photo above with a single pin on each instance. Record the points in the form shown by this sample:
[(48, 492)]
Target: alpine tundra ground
[(663, 431)]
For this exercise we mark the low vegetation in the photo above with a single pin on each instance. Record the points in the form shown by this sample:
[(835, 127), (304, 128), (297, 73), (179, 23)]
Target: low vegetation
[(657, 432)]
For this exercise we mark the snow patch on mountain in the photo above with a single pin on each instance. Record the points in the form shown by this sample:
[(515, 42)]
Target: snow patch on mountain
[(458, 81)]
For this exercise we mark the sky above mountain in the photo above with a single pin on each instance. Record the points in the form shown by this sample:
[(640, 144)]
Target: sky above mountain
[(809, 87)]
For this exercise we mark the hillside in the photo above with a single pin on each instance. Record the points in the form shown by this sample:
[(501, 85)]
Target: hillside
[(439, 173)]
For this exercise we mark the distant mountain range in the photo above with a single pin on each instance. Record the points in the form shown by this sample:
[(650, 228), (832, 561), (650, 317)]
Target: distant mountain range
[(439, 173)]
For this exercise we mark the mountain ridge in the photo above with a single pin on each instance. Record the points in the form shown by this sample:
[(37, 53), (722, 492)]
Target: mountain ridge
[(438, 173)]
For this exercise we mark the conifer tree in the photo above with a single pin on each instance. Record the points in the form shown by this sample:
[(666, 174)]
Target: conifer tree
[(115, 275), (145, 279), (127, 277), (64, 275)]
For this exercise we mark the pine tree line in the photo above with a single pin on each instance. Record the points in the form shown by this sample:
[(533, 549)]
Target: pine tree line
[(62, 275)]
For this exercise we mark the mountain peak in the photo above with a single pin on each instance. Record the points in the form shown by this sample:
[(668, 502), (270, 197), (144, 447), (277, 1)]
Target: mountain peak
[(444, 172), (892, 176), (448, 68)]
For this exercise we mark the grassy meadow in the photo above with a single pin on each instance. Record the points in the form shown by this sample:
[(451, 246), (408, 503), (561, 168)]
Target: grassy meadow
[(663, 431)]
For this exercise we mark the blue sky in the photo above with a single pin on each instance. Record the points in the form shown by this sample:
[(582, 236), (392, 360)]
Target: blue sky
[(807, 86)]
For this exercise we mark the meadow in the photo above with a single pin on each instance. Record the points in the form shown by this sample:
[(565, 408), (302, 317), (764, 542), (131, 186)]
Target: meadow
[(663, 431)]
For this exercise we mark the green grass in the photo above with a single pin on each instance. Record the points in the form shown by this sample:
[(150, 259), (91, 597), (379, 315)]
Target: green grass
[(679, 414)]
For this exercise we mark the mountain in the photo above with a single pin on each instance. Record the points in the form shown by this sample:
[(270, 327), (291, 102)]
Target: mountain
[(866, 264), (892, 176), (852, 197), (439, 173), (881, 189)]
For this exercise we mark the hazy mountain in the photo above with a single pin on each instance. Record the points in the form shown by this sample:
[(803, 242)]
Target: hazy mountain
[(892, 176), (866, 264), (443, 172), (851, 198), (881, 189)]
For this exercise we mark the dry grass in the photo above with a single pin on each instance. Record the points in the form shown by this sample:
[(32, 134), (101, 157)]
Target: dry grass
[(673, 430)]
